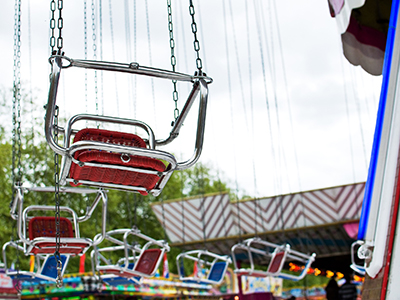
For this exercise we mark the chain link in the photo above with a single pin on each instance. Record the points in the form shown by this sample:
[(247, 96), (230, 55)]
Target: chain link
[(196, 42), (59, 280), (95, 54), (60, 24), (173, 57), (16, 120), (52, 25)]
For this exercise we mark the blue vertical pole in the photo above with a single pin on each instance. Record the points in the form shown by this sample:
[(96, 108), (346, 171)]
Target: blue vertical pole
[(387, 63)]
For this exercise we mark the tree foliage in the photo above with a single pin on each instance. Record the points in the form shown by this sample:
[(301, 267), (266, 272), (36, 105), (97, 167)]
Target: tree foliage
[(125, 209)]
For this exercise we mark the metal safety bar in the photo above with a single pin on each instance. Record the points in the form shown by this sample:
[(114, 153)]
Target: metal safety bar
[(132, 67)]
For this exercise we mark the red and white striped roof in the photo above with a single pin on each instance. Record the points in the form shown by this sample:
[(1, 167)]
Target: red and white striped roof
[(312, 218)]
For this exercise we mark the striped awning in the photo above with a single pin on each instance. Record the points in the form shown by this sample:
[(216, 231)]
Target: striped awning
[(310, 221)]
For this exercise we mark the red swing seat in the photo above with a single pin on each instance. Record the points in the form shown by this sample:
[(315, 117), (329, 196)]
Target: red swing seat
[(42, 233), (115, 175)]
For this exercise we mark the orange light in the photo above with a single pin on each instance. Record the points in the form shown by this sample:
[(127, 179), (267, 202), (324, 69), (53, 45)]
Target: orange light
[(358, 278), (317, 272), (292, 267), (236, 297), (329, 274), (339, 275)]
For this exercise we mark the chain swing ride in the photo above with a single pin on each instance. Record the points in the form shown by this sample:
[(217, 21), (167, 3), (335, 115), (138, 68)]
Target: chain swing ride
[(101, 158), (117, 160), (136, 167)]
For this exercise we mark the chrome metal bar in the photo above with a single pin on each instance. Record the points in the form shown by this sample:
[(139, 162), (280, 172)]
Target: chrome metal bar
[(63, 189), (108, 119), (200, 128), (56, 65), (133, 68)]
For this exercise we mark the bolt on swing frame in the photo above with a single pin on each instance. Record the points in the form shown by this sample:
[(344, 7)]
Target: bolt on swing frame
[(200, 88)]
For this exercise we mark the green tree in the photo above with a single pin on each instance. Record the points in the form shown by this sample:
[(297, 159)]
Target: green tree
[(125, 209)]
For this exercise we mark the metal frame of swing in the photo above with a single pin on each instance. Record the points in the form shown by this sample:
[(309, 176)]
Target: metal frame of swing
[(43, 245), (200, 86), (203, 257), (277, 257), (132, 267)]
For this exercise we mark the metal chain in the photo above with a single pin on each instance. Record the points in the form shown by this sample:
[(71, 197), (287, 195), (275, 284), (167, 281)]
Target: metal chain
[(52, 25), (60, 24), (16, 120), (95, 53), (173, 57), (59, 280), (196, 42)]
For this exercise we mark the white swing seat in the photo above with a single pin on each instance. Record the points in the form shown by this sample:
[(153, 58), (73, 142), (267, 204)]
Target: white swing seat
[(143, 261), (254, 247), (215, 266), (38, 233), (46, 266), (107, 162)]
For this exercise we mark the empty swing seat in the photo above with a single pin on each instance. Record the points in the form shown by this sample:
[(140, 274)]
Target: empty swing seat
[(42, 233), (136, 262), (257, 248), (102, 172), (121, 161), (46, 266)]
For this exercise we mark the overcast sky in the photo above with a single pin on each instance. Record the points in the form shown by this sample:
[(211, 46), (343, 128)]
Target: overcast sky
[(286, 111)]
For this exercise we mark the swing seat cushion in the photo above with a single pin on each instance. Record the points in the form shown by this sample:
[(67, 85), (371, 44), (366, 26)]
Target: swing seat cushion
[(115, 270), (148, 261), (115, 175), (73, 248), (126, 280)]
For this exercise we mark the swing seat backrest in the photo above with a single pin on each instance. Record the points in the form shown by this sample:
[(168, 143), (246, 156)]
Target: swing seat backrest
[(42, 230), (115, 175), (50, 266), (217, 271), (46, 227), (277, 261), (148, 261)]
